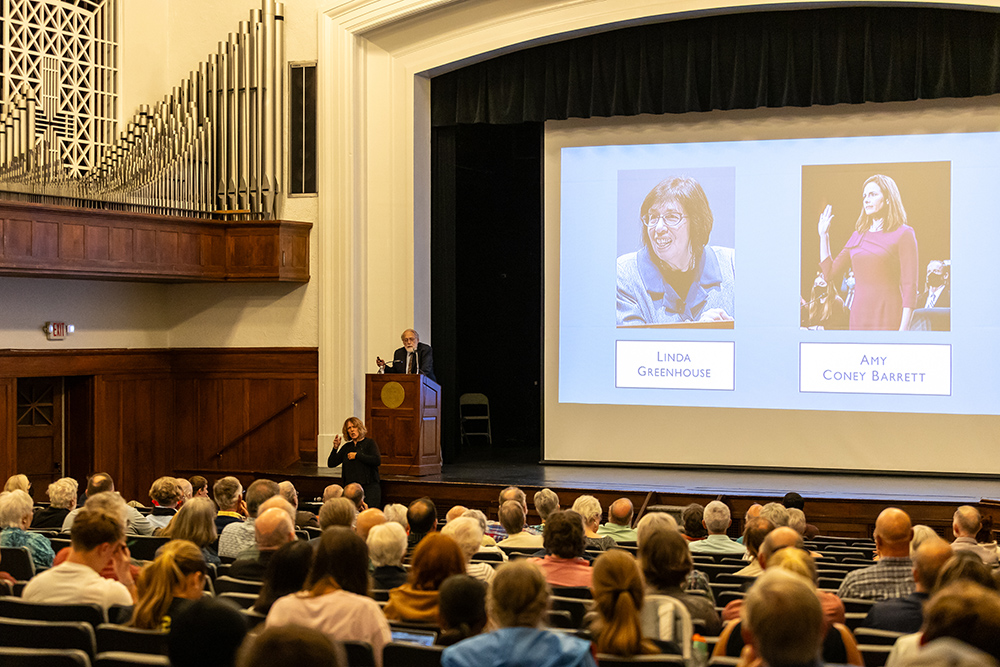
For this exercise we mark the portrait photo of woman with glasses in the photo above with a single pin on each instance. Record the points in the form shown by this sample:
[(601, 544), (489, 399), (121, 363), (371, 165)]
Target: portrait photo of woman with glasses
[(676, 277)]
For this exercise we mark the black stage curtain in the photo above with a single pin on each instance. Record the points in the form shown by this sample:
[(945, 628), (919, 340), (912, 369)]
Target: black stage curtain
[(736, 61)]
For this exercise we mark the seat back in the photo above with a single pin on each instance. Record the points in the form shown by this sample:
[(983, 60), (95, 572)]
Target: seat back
[(666, 618), (227, 584), (143, 547), (17, 562), (43, 657), (359, 654), (579, 592), (607, 660), (872, 636), (20, 633), (241, 600), (112, 637), (575, 606), (411, 655), (45, 611), (125, 659)]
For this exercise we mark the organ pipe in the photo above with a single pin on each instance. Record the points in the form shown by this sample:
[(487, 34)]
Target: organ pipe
[(212, 146)]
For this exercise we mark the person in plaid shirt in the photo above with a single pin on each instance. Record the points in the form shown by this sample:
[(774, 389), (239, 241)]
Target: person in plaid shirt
[(892, 575)]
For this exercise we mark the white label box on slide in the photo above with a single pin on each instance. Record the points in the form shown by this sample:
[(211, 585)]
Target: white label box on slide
[(863, 368), (675, 364)]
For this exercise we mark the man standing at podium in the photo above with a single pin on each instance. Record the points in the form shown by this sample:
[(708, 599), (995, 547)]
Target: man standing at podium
[(413, 358)]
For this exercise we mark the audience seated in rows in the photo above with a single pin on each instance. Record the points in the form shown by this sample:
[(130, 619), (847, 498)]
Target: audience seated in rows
[(356, 494), (112, 503), (396, 513), (794, 501), (776, 540), (62, 500), (618, 599), (335, 600), (517, 604), (168, 585), (965, 525), (756, 530), (166, 495), (666, 563), (209, 632), (303, 519), (199, 487), (468, 534), (436, 558), (906, 613), (291, 645), (285, 574), (783, 621), (18, 482), (332, 491), (135, 522), (619, 525), (513, 520), (590, 509), (563, 564), (493, 528), (239, 536), (892, 575), (186, 489), (692, 522), (97, 539), (272, 530), (228, 494), (716, 520), (421, 517), (367, 520), (16, 512), (461, 609), (488, 544), (546, 502), (776, 513), (386, 548), (338, 512), (195, 522)]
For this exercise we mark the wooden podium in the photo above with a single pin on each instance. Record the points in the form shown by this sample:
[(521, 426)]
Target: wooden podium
[(403, 415)]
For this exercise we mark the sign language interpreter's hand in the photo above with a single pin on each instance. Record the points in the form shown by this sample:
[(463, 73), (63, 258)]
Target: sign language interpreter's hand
[(825, 218)]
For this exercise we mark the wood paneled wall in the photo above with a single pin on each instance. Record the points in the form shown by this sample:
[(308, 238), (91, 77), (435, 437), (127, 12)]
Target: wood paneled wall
[(154, 411)]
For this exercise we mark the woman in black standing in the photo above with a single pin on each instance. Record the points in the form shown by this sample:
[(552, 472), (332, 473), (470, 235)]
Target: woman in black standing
[(360, 458)]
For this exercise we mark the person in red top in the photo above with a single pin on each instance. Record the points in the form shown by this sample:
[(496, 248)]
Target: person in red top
[(563, 539), (883, 253)]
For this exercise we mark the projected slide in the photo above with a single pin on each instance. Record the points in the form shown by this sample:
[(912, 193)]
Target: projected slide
[(808, 274)]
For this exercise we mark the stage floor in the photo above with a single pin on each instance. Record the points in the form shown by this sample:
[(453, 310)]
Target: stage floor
[(753, 484)]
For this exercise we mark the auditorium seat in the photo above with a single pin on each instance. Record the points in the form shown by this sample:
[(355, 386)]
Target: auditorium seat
[(43, 657), (607, 660), (725, 597), (575, 606), (241, 600), (44, 611), (143, 547), (411, 655), (229, 584), (560, 618), (34, 634), (580, 592), (359, 654), (17, 562), (125, 659), (716, 570), (875, 655), (873, 636), (379, 594), (113, 637), (857, 605), (253, 618)]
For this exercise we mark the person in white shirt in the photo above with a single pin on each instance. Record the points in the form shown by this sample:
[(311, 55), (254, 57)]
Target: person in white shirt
[(97, 538), (512, 519), (717, 520)]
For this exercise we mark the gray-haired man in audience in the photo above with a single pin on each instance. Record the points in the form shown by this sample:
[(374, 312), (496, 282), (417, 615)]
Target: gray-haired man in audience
[(717, 520), (965, 524), (512, 519), (239, 536)]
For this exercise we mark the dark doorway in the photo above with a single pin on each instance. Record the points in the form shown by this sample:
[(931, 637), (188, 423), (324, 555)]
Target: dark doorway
[(40, 432)]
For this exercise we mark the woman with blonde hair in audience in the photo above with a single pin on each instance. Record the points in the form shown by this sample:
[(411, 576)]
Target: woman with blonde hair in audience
[(618, 596), (436, 558), (335, 599), (62, 501), (16, 512), (518, 602), (195, 522), (18, 483), (168, 585), (468, 533)]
